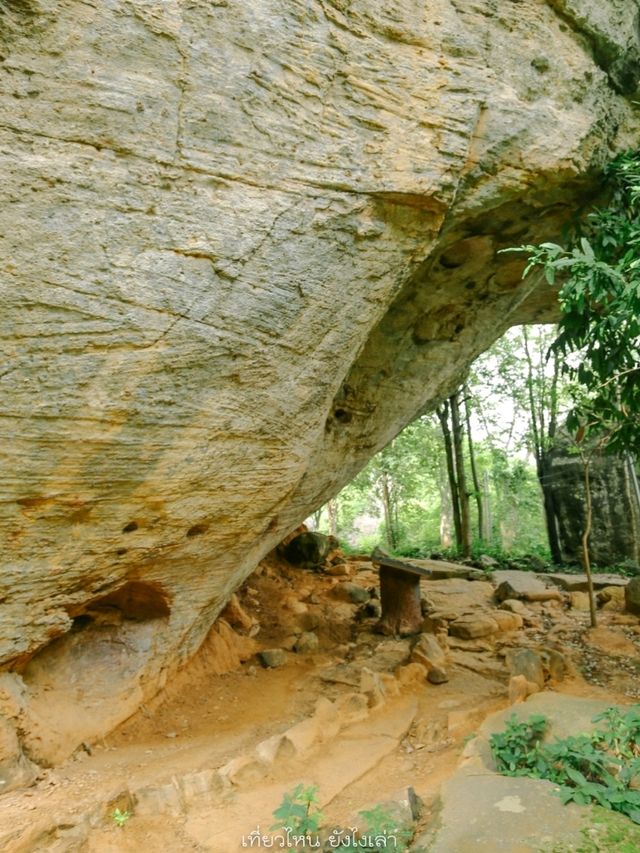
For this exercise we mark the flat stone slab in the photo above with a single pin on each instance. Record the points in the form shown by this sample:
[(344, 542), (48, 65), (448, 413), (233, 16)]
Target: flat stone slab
[(441, 570), (526, 586), (458, 596), (497, 813), (483, 812), (578, 583)]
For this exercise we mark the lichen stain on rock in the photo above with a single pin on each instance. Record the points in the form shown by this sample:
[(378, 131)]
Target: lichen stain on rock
[(243, 249)]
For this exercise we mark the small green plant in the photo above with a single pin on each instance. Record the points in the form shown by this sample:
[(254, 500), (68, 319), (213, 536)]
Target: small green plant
[(121, 817), (516, 750), (298, 811), (602, 767)]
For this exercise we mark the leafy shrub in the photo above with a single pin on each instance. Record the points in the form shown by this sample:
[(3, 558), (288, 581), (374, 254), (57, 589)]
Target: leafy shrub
[(602, 767)]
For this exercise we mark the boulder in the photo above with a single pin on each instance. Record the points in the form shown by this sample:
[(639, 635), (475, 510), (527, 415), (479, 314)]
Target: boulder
[(632, 596), (266, 241), (522, 585), (309, 549)]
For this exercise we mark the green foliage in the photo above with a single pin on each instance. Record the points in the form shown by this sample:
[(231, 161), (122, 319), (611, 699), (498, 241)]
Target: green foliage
[(516, 751), (121, 817), (298, 811), (602, 767), (599, 337)]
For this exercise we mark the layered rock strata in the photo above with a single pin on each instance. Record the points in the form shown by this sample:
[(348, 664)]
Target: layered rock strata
[(243, 246)]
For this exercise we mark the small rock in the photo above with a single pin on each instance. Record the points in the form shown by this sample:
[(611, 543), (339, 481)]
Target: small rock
[(520, 689), (337, 569), (515, 606), (507, 621), (435, 625), (437, 675), (307, 642), (372, 608), (428, 652), (352, 592), (554, 663), (579, 601), (471, 627), (526, 663), (487, 562), (272, 658)]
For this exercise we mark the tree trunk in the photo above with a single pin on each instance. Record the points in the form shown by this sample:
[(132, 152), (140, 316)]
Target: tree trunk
[(446, 509), (463, 495), (542, 442), (388, 512), (586, 560), (400, 600), (332, 512), (487, 517), (544, 478), (634, 489), (443, 416), (472, 463)]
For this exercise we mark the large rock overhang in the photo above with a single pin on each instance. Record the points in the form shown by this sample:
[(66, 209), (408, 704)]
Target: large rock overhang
[(244, 244)]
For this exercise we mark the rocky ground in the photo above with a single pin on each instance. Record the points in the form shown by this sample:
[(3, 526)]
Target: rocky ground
[(294, 685)]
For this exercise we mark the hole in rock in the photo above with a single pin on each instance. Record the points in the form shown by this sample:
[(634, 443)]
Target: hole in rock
[(135, 600), (343, 416), (130, 527), (197, 530)]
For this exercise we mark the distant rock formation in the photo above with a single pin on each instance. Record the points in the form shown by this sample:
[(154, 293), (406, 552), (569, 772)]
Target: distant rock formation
[(243, 245), (615, 535)]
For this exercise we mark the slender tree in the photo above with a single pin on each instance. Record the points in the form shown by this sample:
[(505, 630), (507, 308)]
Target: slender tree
[(542, 397), (477, 491)]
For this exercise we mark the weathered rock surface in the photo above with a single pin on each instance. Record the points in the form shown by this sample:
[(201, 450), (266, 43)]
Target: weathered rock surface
[(243, 246), (632, 596), (579, 582), (615, 537)]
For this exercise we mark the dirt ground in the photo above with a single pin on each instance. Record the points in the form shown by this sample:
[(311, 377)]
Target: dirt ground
[(190, 767)]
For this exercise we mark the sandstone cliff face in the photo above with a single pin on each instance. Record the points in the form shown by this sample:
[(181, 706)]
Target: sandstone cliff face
[(243, 245)]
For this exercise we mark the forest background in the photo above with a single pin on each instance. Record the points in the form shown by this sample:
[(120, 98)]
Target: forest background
[(494, 432)]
